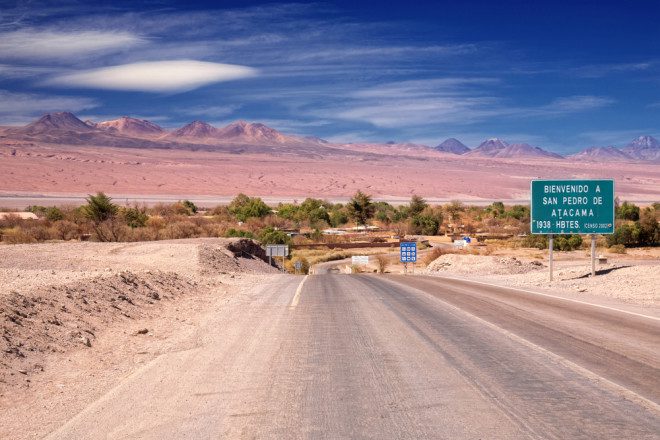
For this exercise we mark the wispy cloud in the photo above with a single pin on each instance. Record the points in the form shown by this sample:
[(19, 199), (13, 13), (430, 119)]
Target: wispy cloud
[(46, 44), (211, 111), (571, 104), (601, 70), (158, 76)]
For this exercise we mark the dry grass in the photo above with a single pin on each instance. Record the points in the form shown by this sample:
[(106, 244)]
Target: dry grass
[(382, 262)]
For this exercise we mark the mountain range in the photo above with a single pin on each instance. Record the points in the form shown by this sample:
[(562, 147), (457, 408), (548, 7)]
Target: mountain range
[(65, 128)]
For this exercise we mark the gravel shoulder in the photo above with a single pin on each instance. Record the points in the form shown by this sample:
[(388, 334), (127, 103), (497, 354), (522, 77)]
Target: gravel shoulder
[(627, 281)]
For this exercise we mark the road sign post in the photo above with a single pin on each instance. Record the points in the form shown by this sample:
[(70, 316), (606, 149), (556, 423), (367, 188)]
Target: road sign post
[(572, 207), (408, 254), (551, 247), (276, 250)]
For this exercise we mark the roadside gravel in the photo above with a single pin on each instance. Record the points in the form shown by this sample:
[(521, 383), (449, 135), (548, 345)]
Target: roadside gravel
[(635, 282)]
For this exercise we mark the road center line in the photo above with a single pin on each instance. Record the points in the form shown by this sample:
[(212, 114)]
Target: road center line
[(296, 297)]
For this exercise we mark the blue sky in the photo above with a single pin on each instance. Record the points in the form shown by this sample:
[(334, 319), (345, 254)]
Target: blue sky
[(560, 75)]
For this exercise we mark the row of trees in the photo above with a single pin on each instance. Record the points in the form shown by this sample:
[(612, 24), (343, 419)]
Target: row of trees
[(251, 217)]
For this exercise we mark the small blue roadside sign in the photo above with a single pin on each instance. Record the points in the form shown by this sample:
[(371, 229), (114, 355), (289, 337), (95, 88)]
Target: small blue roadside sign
[(408, 251)]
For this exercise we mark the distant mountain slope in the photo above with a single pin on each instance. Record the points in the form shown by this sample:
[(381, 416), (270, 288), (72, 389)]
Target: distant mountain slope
[(131, 126), (644, 148), (63, 128), (498, 148), (196, 129), (252, 133), (602, 154), (452, 145), (56, 121)]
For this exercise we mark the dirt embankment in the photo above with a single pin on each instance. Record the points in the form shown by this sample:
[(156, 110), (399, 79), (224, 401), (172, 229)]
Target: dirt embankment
[(633, 281), (58, 297)]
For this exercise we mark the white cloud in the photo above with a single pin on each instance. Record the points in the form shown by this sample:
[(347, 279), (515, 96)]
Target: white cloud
[(45, 44), (18, 107), (156, 76), (573, 104)]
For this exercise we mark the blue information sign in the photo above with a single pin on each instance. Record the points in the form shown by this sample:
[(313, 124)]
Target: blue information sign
[(408, 252)]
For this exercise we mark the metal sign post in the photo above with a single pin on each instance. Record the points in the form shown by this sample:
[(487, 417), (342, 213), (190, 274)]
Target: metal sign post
[(572, 207), (408, 254), (593, 255), (276, 250), (551, 246)]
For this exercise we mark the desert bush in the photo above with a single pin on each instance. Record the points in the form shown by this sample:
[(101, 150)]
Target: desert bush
[(190, 207), (434, 254), (617, 249), (221, 214), (140, 234), (232, 232), (65, 230), (382, 262), (356, 269), (135, 217), (11, 221), (567, 242), (535, 241), (180, 229), (17, 235), (290, 264)]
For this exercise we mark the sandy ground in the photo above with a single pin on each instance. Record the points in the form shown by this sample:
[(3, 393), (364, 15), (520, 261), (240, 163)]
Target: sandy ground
[(631, 279), (59, 298), (388, 173)]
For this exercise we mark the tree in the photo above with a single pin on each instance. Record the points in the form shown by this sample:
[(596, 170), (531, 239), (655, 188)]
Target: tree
[(427, 222), (102, 213), (272, 236), (135, 217), (628, 211), (417, 205), (360, 208), (650, 230), (454, 210), (244, 207), (314, 211), (190, 206)]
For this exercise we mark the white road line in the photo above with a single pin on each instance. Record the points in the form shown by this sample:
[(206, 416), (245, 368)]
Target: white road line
[(594, 377), (296, 297), (549, 296)]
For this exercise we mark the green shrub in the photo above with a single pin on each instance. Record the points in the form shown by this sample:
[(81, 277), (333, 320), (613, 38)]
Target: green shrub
[(270, 235), (231, 232), (244, 207), (135, 217), (190, 206)]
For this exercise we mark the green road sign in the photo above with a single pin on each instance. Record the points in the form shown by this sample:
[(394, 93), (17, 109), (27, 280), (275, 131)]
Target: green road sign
[(572, 207)]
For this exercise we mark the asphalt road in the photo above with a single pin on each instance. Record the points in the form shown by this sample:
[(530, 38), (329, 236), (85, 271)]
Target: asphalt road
[(363, 356)]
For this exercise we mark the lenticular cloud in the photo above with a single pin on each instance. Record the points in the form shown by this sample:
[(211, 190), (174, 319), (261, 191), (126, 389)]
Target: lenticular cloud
[(155, 76)]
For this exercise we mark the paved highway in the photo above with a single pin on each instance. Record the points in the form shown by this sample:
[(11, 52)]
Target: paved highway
[(365, 356)]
